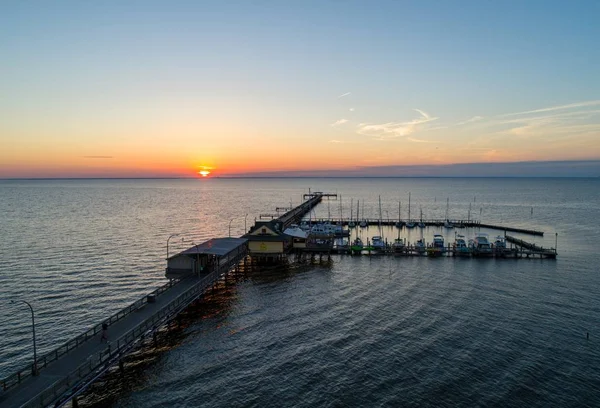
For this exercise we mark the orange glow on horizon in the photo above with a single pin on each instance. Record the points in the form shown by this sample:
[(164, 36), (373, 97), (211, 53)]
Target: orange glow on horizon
[(204, 173)]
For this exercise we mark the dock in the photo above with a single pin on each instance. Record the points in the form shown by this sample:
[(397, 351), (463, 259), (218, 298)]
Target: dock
[(457, 223)]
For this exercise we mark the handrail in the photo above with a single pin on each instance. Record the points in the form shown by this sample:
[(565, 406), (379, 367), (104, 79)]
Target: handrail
[(43, 361), (96, 360), (126, 340)]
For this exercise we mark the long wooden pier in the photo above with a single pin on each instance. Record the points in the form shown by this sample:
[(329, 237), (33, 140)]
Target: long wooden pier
[(457, 223), (62, 372)]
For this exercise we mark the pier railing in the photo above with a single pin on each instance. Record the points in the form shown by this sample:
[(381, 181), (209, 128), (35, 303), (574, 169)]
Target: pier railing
[(108, 356), (42, 362)]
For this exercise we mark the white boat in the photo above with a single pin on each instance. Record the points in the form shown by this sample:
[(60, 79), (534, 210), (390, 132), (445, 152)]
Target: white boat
[(460, 246), (500, 242), (295, 231), (438, 241), (398, 245), (377, 243), (480, 245)]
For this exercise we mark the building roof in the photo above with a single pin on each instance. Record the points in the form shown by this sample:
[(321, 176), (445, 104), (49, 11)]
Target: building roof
[(215, 246)]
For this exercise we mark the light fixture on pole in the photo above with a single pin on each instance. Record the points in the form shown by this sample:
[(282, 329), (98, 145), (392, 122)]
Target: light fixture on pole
[(170, 236), (230, 226), (245, 229), (34, 369)]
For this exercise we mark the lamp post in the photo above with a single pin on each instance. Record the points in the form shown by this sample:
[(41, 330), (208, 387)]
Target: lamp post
[(230, 226), (170, 236), (34, 370), (245, 229)]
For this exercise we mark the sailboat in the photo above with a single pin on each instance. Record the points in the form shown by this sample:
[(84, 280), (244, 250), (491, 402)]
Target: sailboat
[(363, 223), (410, 223), (421, 223), (351, 223), (399, 245), (399, 224), (447, 223), (377, 241)]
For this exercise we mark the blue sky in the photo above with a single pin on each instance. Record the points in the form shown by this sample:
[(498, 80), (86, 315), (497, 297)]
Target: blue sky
[(380, 83)]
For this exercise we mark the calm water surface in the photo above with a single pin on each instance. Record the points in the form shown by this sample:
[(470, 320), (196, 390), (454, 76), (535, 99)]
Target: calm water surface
[(359, 331)]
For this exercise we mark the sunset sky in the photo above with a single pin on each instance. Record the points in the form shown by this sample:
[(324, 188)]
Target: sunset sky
[(149, 88)]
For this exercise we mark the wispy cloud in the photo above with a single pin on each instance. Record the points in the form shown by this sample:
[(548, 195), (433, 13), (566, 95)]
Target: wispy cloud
[(351, 109), (471, 120), (339, 122), (394, 130), (335, 141), (98, 157), (414, 140), (344, 94), (555, 108)]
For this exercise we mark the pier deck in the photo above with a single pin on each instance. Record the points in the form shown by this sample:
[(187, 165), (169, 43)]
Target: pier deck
[(429, 223), (64, 370)]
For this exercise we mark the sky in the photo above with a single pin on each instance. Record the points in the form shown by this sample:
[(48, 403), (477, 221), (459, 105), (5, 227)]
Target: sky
[(171, 88)]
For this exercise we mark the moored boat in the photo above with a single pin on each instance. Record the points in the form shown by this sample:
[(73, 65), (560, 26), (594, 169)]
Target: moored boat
[(377, 243), (398, 246), (480, 245), (460, 246)]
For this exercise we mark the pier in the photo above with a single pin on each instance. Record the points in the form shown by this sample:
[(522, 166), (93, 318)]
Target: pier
[(62, 373), (456, 223)]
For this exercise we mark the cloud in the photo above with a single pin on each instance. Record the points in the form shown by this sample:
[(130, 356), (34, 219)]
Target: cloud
[(339, 122), (98, 157), (394, 130), (344, 94), (412, 139), (471, 120), (555, 108), (335, 141), (351, 109)]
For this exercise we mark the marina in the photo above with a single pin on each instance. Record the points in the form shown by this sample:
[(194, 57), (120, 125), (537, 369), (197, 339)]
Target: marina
[(60, 375)]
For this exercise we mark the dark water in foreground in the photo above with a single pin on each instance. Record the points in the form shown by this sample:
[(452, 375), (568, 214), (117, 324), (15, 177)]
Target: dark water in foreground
[(359, 331)]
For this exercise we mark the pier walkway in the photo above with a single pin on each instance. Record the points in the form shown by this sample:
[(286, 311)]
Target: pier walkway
[(63, 371), (428, 223)]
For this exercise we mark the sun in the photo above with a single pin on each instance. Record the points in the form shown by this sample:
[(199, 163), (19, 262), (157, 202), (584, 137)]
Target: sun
[(204, 173)]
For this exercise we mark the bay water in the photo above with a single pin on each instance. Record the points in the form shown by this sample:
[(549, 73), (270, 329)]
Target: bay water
[(356, 331)]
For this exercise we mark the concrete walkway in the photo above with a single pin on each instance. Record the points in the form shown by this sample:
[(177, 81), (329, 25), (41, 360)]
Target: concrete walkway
[(32, 387)]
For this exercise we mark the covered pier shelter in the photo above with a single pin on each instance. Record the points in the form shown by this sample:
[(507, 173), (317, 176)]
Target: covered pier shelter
[(206, 257)]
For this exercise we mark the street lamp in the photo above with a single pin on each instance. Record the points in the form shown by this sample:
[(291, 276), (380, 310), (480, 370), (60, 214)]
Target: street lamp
[(34, 370), (245, 229), (230, 226), (170, 236)]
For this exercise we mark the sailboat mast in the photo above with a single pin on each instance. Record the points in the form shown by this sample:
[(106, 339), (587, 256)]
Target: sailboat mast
[(380, 216), (409, 206)]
